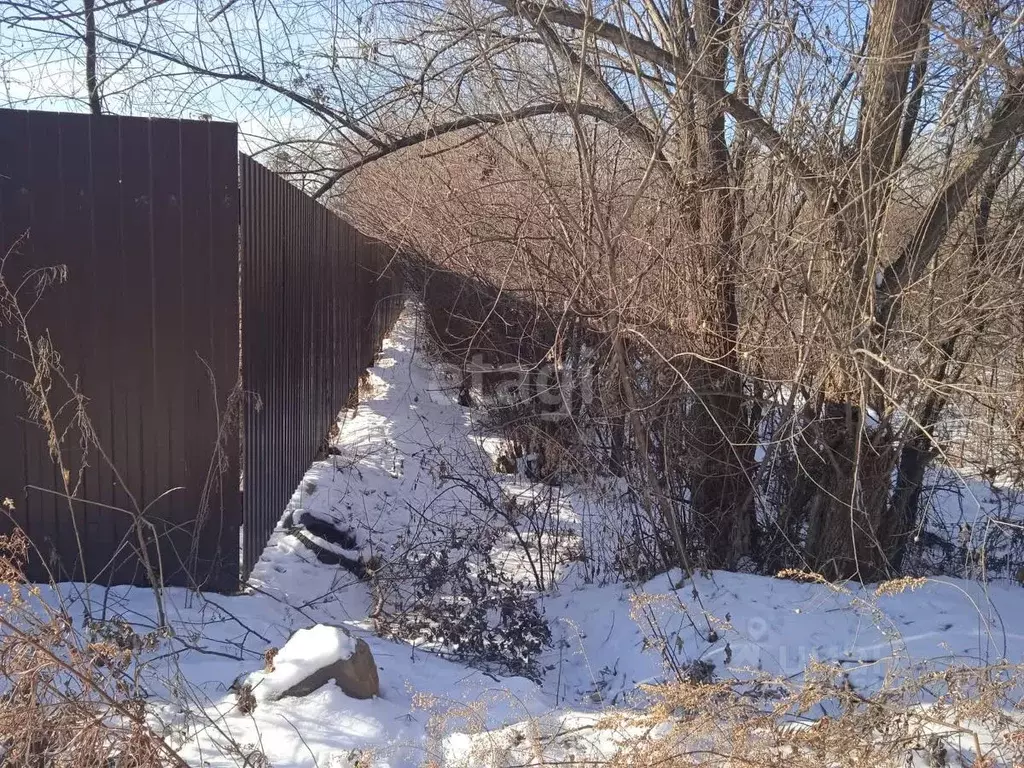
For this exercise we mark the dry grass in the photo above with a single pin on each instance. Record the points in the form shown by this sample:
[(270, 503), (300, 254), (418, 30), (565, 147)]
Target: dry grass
[(72, 697), (932, 714), (956, 716)]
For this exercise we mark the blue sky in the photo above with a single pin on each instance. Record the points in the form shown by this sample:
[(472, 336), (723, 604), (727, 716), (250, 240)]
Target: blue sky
[(42, 65)]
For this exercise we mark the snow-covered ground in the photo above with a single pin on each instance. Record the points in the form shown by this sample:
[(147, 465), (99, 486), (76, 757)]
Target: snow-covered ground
[(407, 457)]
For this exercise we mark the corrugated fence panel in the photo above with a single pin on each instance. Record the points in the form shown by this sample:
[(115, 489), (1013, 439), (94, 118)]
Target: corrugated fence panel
[(317, 298), (144, 216), (224, 510)]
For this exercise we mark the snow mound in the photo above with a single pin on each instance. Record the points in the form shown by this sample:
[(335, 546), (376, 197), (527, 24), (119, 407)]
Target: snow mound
[(307, 651)]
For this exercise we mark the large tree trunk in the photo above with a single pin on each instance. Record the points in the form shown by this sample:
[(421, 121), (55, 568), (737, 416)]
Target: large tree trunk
[(850, 488), (896, 42), (848, 479), (720, 435), (901, 523), (720, 485)]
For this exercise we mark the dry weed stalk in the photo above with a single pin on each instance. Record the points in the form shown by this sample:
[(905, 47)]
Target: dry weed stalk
[(973, 714), (76, 696), (71, 701), (57, 405), (972, 718)]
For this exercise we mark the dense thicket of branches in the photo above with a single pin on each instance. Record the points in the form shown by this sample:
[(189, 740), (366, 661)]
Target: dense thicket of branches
[(786, 237)]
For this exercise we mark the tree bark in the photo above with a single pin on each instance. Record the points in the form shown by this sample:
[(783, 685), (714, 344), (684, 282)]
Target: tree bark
[(720, 488), (91, 83), (904, 511), (848, 479), (1006, 125), (904, 516), (848, 492)]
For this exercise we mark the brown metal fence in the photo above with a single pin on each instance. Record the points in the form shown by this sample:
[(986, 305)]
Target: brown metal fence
[(144, 215), (318, 298)]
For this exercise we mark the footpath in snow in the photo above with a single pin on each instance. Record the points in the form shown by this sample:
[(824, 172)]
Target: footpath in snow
[(404, 460)]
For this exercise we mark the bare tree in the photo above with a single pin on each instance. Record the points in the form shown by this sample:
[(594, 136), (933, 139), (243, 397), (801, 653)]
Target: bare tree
[(790, 226), (91, 84)]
